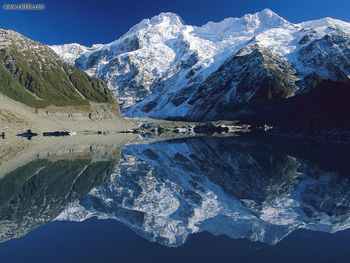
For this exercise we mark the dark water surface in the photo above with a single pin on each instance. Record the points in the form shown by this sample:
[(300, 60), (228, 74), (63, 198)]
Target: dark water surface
[(208, 199), (110, 241)]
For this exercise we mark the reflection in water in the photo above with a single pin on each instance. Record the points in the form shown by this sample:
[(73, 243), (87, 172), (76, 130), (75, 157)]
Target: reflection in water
[(165, 191), (49, 178)]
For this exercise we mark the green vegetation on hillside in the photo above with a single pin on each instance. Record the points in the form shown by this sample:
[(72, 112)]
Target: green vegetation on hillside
[(33, 74)]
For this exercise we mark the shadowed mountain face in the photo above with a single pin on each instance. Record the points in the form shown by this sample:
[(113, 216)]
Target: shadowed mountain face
[(239, 187), (320, 114)]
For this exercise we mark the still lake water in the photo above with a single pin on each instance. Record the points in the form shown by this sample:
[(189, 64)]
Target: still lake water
[(205, 199)]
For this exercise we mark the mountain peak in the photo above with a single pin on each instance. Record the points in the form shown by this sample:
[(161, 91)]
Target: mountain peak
[(268, 12), (164, 19), (167, 17), (265, 18), (327, 22), (249, 24)]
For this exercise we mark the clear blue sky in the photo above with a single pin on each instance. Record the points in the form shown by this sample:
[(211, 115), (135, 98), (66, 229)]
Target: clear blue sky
[(102, 21)]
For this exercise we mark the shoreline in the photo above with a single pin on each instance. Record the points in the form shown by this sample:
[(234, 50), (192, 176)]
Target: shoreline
[(15, 153), (16, 117)]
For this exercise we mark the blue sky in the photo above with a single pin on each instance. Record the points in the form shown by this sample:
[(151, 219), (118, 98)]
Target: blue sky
[(102, 21)]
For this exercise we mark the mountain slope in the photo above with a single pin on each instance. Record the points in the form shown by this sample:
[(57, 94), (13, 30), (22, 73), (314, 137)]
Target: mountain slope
[(165, 69), (33, 74), (38, 90)]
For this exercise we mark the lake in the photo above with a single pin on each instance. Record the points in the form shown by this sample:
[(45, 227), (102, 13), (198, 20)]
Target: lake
[(248, 198)]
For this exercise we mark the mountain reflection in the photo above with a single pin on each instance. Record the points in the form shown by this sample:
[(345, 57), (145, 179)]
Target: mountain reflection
[(242, 187)]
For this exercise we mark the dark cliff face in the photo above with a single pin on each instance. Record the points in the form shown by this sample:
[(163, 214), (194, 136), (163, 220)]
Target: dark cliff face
[(258, 83), (253, 74), (330, 54)]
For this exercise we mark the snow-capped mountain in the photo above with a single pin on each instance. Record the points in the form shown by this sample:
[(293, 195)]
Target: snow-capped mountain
[(163, 68), (168, 190)]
